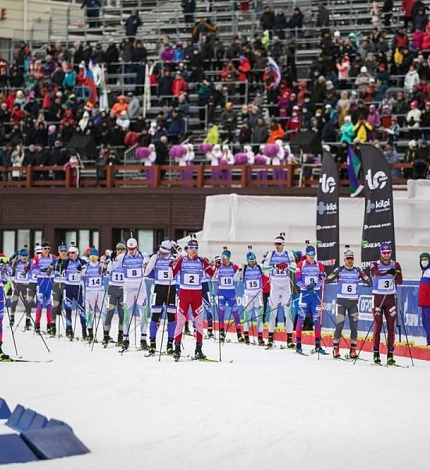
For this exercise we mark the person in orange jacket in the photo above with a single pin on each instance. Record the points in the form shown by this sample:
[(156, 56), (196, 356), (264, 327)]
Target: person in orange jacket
[(276, 132)]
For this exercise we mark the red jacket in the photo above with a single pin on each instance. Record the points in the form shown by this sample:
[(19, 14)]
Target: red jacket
[(407, 7), (244, 70)]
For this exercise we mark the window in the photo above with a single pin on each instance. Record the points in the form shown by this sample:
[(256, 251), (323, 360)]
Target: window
[(82, 238)]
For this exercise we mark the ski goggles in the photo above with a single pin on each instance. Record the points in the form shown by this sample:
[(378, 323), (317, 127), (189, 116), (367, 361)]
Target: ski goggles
[(386, 253)]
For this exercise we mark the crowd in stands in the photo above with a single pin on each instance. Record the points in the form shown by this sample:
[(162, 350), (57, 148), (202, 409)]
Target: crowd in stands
[(350, 95)]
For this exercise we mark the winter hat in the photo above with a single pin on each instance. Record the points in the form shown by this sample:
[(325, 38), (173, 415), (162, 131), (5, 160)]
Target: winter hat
[(73, 249), (385, 246), (166, 246), (131, 243), (37, 250), (348, 254), (62, 246), (250, 256), (193, 244), (94, 252), (412, 143), (46, 245), (23, 252), (363, 69), (226, 254), (280, 239), (425, 254), (120, 246), (310, 250)]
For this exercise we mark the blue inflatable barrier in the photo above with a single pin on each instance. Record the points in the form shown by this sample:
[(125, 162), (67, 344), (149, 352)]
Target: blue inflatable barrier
[(14, 418), (4, 409), (14, 450)]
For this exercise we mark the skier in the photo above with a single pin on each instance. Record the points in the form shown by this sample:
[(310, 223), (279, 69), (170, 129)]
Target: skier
[(135, 299), (58, 290), (348, 277), (92, 276), (424, 293), (386, 275), (208, 294), (5, 272), (115, 294), (252, 278), (72, 270), (309, 277), (225, 274), (190, 269), (280, 263), (164, 294), (20, 275), (33, 272), (44, 263)]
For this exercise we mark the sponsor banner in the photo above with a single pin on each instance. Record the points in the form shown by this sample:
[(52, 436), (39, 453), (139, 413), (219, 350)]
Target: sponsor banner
[(378, 223), (327, 223)]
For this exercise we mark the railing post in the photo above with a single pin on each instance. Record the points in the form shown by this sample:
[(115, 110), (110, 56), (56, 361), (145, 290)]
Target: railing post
[(244, 176), (110, 170), (290, 175), (29, 177), (157, 176), (68, 176), (200, 182)]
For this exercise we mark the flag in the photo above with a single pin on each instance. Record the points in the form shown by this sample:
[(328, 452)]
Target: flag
[(354, 165), (378, 223), (276, 73), (327, 226), (103, 102), (90, 83)]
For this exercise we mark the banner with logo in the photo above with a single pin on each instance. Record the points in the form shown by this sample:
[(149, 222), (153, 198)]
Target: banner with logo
[(378, 224), (327, 226)]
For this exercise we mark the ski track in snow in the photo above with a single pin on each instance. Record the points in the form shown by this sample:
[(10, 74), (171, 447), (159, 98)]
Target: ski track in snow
[(268, 409)]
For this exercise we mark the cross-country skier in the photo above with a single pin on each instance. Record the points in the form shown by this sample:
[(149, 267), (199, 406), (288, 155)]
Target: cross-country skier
[(190, 269), (44, 263), (309, 277), (135, 299), (225, 274), (424, 293), (58, 290), (92, 276), (72, 270), (33, 272), (281, 264), (348, 277), (252, 279), (386, 276), (164, 294), (20, 275), (115, 295), (5, 272)]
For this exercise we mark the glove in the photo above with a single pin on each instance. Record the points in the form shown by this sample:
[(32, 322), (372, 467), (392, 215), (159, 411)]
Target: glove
[(79, 268), (392, 271), (8, 287), (310, 287), (4, 260), (281, 265), (171, 264)]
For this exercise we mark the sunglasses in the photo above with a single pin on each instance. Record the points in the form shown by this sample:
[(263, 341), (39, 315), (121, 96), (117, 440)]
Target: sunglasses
[(349, 258), (386, 253), (279, 244), (310, 254), (47, 249)]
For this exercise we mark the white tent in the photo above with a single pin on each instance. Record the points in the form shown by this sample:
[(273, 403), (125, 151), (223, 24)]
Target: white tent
[(238, 221)]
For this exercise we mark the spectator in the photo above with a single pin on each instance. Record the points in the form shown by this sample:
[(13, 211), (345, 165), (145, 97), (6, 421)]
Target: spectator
[(133, 108), (189, 9), (421, 163), (132, 24), (347, 132), (176, 129), (323, 16), (413, 120), (165, 88), (120, 106), (409, 157), (17, 159), (362, 128), (393, 131), (412, 78), (92, 12), (392, 156), (112, 61), (280, 24), (276, 132), (267, 19)]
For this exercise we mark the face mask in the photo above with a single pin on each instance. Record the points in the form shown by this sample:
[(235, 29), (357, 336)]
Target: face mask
[(424, 263)]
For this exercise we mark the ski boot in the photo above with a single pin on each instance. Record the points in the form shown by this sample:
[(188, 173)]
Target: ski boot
[(222, 335), (106, 339), (239, 336), (336, 352), (318, 348), (390, 359), (246, 338), (290, 344), (177, 352), (299, 349), (198, 355), (169, 347), (53, 330), (143, 345), (90, 337), (353, 352), (69, 332), (27, 326), (37, 328), (3, 356), (125, 344), (270, 341), (84, 333), (12, 320), (261, 340), (120, 339), (376, 357), (210, 333)]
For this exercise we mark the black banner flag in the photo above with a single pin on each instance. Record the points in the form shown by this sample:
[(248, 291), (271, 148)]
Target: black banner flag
[(378, 224), (327, 228)]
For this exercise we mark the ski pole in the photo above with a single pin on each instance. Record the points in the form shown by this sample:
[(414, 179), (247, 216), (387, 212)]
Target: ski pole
[(244, 308), (13, 334), (364, 341), (100, 315), (406, 334), (165, 318), (133, 310)]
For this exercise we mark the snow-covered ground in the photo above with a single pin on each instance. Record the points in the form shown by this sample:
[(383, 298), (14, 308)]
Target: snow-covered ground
[(266, 409)]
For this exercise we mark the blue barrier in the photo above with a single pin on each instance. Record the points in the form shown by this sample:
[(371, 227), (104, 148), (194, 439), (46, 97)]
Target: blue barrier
[(56, 422), (14, 418), (26, 420), (39, 422), (14, 450), (4, 409)]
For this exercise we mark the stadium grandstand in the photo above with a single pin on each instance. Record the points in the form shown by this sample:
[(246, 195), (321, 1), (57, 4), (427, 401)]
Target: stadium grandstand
[(173, 100)]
